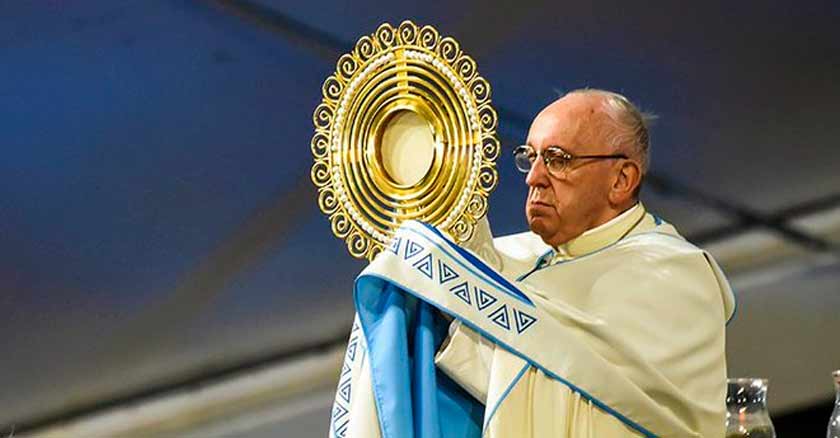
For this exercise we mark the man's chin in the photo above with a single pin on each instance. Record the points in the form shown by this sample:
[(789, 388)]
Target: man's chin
[(539, 225)]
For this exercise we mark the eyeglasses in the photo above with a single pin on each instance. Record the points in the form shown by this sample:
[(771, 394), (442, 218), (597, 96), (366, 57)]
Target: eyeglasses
[(556, 160)]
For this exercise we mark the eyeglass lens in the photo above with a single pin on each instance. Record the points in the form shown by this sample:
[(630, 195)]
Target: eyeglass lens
[(524, 157)]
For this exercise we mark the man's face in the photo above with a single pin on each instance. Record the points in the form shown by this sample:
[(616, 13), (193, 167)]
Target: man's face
[(559, 208)]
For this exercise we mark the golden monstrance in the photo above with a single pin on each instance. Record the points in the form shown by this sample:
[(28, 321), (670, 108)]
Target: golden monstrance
[(405, 131)]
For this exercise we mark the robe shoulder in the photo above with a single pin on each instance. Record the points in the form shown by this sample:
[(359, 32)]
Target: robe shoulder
[(663, 241), (524, 247), (668, 252), (655, 250)]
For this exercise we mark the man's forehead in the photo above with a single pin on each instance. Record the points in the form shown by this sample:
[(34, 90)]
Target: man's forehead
[(569, 121)]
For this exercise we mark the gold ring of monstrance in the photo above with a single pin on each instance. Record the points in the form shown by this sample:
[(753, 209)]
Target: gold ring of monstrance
[(405, 131)]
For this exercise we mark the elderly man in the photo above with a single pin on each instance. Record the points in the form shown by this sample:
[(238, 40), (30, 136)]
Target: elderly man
[(601, 322)]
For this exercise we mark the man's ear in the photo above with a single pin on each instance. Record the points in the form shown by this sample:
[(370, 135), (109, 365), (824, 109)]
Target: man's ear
[(626, 182)]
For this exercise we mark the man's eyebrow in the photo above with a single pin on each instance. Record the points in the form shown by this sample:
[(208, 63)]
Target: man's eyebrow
[(551, 146)]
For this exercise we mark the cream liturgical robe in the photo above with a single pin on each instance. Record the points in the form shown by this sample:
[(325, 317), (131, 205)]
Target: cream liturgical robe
[(619, 332)]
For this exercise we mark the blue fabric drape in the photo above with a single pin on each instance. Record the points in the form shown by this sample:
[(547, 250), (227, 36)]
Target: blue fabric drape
[(412, 399)]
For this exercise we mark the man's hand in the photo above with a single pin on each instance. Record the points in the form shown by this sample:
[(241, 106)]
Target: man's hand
[(481, 244)]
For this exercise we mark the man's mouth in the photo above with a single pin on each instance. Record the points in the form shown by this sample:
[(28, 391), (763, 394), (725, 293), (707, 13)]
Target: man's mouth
[(535, 199)]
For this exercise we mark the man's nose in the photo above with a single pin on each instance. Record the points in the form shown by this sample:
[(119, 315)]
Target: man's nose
[(538, 175)]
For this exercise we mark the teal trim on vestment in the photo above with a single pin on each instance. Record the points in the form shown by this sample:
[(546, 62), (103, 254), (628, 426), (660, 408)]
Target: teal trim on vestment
[(505, 394), (734, 309), (499, 279), (486, 273)]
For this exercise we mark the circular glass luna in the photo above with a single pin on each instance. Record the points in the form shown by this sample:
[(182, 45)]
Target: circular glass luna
[(407, 147)]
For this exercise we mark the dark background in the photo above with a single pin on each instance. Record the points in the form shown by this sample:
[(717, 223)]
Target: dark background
[(158, 225)]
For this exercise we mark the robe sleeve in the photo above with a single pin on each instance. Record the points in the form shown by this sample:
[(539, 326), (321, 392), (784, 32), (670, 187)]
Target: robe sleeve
[(670, 329), (467, 359), (465, 355), (657, 321)]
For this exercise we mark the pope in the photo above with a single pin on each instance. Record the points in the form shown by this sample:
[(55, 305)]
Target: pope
[(600, 322)]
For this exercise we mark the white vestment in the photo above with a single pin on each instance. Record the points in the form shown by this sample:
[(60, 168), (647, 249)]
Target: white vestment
[(624, 336)]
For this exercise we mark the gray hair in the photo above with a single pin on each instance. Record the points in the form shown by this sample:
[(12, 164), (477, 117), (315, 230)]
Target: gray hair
[(630, 124)]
